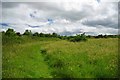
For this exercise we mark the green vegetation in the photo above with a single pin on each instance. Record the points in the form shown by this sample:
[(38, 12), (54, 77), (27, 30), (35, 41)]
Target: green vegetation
[(78, 38), (54, 56)]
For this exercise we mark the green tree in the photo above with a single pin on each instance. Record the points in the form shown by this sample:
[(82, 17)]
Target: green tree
[(41, 35), (83, 37), (54, 35), (18, 33), (10, 32), (27, 32), (36, 34)]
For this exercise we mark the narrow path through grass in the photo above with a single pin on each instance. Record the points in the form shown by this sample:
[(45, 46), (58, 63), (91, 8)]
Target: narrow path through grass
[(24, 61)]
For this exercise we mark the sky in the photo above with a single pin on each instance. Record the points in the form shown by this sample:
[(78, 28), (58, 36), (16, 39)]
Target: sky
[(65, 17)]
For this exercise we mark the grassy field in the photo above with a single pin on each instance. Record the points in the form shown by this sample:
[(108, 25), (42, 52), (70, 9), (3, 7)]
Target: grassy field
[(54, 58)]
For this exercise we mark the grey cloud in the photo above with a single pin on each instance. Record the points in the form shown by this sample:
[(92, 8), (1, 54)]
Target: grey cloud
[(70, 15), (46, 6), (108, 22), (35, 5), (52, 9), (10, 4)]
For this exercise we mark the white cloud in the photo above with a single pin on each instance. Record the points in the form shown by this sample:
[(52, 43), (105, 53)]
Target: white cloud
[(62, 17)]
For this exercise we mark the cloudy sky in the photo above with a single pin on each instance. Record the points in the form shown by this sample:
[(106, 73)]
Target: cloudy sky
[(63, 17)]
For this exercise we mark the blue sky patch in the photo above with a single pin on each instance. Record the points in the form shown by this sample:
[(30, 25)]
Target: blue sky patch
[(4, 24), (50, 21), (33, 26)]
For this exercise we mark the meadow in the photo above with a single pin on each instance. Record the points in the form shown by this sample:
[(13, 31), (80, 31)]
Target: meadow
[(56, 58)]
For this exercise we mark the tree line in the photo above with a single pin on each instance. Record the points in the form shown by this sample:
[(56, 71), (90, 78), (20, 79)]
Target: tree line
[(77, 38)]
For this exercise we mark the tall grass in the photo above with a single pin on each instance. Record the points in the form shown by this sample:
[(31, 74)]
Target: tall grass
[(53, 58), (24, 61), (96, 58)]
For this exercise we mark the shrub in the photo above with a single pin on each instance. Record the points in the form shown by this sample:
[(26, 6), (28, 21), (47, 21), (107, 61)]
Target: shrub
[(78, 38)]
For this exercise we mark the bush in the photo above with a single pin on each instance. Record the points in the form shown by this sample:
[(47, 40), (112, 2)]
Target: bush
[(78, 38), (11, 40)]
